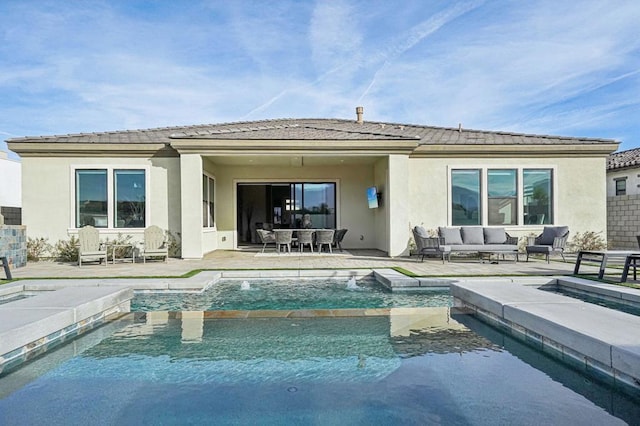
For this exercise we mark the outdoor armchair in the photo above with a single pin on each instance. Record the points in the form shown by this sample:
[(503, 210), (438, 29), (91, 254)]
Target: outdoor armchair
[(305, 236), (154, 244), (338, 236), (552, 240), (324, 237), (426, 245), (266, 237), (90, 249), (284, 237)]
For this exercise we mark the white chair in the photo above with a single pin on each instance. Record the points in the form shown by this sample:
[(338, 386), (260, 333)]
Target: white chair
[(305, 236), (154, 244), (266, 237), (324, 237), (283, 238), (90, 249)]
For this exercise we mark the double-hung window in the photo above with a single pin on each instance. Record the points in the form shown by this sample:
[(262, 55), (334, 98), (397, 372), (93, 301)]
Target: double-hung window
[(110, 198), (502, 197), (621, 186)]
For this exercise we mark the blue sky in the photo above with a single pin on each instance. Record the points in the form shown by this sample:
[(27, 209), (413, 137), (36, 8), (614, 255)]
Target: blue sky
[(550, 67)]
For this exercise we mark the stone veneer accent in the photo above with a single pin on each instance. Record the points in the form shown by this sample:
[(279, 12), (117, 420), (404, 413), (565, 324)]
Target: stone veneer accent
[(623, 221), (13, 244)]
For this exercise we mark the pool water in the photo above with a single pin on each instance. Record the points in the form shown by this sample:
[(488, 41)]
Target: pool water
[(595, 299), (289, 294), (420, 366)]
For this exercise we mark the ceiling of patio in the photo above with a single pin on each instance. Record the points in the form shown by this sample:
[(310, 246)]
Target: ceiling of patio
[(292, 160)]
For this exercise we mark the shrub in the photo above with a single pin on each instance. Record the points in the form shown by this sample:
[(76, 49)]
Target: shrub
[(588, 240), (66, 250), (174, 244), (120, 252), (37, 248)]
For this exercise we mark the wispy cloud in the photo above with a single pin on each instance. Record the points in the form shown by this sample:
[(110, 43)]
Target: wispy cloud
[(546, 67)]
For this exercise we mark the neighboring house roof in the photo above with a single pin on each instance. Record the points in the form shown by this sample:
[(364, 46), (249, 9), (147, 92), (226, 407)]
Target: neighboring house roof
[(314, 129), (624, 159)]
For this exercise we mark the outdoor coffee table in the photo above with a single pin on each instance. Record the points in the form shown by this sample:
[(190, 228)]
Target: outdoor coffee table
[(486, 255), (114, 247)]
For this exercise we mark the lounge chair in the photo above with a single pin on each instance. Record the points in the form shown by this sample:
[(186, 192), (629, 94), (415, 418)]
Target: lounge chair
[(426, 245), (90, 249), (324, 237), (305, 236), (338, 237), (154, 244), (266, 237), (552, 240)]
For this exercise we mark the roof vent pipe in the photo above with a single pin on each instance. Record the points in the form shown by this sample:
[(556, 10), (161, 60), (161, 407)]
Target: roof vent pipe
[(359, 112)]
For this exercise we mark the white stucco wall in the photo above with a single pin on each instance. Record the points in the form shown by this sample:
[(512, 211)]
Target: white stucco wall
[(352, 209), (48, 188), (11, 178), (633, 181), (579, 191)]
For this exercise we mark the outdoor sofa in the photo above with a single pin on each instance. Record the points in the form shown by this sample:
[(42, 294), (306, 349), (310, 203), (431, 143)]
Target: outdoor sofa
[(465, 239)]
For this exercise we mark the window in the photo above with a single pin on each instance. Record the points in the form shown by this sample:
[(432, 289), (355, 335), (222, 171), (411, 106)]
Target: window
[(208, 211), (110, 197), (91, 198), (502, 197), (465, 197), (129, 195), (504, 201), (538, 195), (621, 186)]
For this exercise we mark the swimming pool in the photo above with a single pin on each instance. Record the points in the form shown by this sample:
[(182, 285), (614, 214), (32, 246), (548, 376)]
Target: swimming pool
[(290, 294), (412, 366)]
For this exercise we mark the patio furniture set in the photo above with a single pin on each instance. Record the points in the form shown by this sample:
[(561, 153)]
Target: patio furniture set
[(92, 249), (490, 243), (286, 238)]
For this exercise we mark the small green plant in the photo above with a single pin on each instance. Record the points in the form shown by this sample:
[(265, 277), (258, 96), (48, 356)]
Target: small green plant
[(37, 248), (174, 244), (66, 250), (587, 240), (120, 240)]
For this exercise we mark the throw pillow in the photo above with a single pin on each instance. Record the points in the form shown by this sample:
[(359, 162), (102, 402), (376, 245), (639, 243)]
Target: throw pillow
[(451, 235), (421, 232), (549, 233), (495, 236), (472, 235)]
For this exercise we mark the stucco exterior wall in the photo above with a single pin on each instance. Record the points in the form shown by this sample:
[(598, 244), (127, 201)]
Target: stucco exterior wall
[(579, 191), (10, 176), (48, 201), (632, 176), (352, 182)]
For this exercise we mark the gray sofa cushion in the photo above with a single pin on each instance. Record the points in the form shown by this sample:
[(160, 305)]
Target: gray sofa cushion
[(451, 235), (421, 232), (495, 236), (472, 235), (549, 233)]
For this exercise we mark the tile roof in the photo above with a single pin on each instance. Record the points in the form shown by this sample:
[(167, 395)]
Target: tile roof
[(624, 159), (313, 129)]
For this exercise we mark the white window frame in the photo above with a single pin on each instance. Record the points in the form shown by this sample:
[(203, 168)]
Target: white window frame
[(110, 192), (215, 201), (484, 190)]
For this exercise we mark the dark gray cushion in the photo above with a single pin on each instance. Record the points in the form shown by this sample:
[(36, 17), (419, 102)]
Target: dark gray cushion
[(472, 235), (495, 236), (421, 232), (451, 235), (549, 233)]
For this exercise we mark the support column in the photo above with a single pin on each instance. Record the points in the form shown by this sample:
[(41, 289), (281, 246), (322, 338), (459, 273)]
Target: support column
[(397, 205), (191, 205)]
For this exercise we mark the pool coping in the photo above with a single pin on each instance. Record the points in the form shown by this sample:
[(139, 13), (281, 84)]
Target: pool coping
[(596, 338)]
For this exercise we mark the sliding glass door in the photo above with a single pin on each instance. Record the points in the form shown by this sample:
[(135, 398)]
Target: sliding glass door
[(284, 205)]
